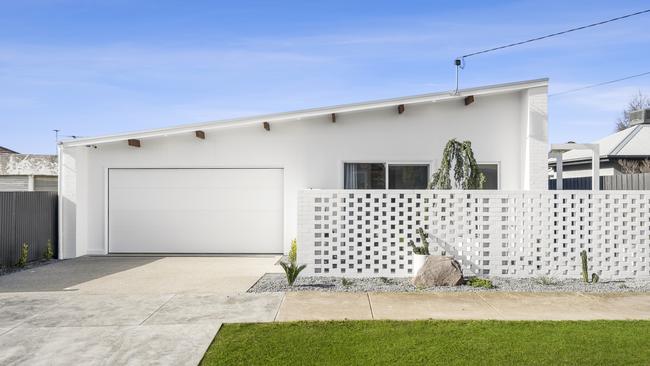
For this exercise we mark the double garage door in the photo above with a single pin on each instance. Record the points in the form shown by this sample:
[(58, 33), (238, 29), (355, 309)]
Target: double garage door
[(195, 210)]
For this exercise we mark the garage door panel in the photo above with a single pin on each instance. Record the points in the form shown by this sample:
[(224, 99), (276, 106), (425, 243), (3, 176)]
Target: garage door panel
[(169, 211), (197, 199), (237, 237)]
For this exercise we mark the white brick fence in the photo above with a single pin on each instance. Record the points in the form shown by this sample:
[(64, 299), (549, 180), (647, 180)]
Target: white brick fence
[(360, 233)]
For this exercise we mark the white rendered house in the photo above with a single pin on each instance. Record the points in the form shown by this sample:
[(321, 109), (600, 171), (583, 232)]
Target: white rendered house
[(232, 186)]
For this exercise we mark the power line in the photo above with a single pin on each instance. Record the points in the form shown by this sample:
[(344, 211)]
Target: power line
[(556, 34), (460, 61), (599, 84)]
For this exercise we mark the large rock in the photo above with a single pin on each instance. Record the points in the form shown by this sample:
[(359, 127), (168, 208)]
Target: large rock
[(439, 271)]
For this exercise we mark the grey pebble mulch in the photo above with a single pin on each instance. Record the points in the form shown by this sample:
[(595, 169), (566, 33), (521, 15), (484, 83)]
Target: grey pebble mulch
[(5, 270), (275, 282)]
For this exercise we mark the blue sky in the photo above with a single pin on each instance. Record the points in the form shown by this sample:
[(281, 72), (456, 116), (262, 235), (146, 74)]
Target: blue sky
[(91, 68)]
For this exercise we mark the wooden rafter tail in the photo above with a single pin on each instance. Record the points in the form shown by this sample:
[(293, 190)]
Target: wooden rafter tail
[(267, 126), (200, 134), (134, 142)]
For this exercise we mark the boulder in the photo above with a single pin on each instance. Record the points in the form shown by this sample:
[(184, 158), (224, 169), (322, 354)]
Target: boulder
[(439, 271)]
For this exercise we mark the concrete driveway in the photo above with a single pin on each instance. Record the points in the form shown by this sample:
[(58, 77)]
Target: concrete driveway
[(128, 310)]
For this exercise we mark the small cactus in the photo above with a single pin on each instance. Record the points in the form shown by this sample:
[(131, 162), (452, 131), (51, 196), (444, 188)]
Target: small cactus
[(585, 269), (424, 237)]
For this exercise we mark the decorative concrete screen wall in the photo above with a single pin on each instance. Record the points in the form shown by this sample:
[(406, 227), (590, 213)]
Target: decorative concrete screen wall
[(356, 233)]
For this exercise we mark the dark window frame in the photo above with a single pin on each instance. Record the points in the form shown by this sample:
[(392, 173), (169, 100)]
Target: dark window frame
[(387, 165), (498, 171)]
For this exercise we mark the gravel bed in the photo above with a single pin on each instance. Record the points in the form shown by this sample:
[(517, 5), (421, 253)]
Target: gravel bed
[(274, 282), (4, 270)]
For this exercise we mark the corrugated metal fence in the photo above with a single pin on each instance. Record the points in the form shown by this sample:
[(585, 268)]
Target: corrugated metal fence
[(627, 182), (27, 217), (621, 182)]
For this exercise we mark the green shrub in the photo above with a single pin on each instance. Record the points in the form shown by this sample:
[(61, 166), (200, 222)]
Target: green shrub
[(387, 280), (24, 255), (346, 283), (480, 282), (49, 251), (292, 269)]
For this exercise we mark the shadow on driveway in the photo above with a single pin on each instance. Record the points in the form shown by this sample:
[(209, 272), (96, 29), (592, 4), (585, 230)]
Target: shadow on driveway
[(69, 273)]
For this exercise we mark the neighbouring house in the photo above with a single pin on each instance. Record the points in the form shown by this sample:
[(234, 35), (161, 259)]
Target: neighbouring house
[(616, 151), (27, 172), (232, 186)]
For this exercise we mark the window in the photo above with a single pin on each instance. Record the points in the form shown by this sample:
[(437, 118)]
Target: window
[(491, 172), (365, 176), (408, 176), (375, 176)]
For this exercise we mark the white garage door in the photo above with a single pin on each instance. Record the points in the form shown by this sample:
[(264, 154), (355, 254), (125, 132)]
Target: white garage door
[(195, 211)]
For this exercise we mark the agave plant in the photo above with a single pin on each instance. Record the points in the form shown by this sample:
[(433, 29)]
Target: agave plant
[(291, 268)]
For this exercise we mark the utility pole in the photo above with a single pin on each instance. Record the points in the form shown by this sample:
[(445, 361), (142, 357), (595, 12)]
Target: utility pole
[(460, 64), (56, 137)]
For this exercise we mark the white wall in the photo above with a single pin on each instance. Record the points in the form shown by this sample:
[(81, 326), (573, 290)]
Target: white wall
[(312, 151), (521, 233), (534, 136)]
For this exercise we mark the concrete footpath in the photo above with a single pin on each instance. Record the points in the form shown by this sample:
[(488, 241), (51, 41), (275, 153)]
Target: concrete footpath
[(485, 305), (63, 328)]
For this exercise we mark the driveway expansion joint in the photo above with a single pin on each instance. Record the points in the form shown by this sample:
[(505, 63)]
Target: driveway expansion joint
[(158, 309), (498, 313), (277, 311), (372, 314)]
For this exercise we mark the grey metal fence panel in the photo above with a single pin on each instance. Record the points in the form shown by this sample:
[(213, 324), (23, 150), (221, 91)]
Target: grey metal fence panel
[(27, 217), (621, 182), (573, 183), (7, 231), (606, 185)]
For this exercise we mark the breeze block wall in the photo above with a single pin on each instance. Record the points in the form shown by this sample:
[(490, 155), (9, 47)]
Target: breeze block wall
[(364, 233)]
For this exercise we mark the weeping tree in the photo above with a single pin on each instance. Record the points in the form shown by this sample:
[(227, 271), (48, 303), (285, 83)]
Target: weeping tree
[(459, 157)]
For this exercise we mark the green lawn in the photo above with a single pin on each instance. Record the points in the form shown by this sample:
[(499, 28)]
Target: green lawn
[(432, 342)]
